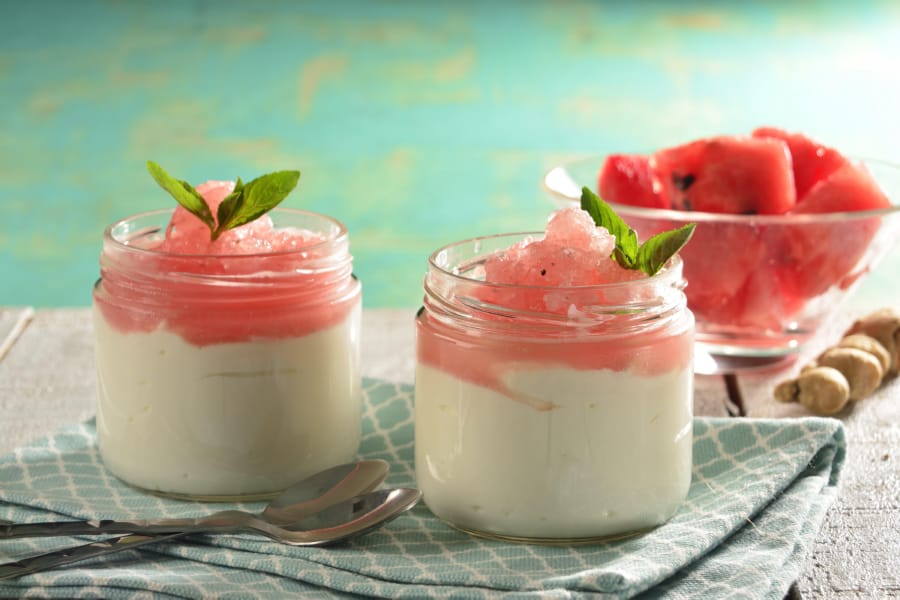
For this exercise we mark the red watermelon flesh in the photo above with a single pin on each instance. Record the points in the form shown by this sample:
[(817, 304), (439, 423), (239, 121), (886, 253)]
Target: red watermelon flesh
[(819, 255), (714, 271), (627, 179), (727, 174), (850, 188), (812, 161), (766, 301)]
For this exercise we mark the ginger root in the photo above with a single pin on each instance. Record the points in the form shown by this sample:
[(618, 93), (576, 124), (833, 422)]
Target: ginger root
[(868, 344), (862, 370), (851, 369), (823, 390), (884, 326)]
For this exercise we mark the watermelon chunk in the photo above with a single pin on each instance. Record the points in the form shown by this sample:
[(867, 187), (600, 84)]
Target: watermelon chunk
[(850, 188), (766, 301), (812, 161), (627, 179), (727, 174), (819, 255), (716, 273)]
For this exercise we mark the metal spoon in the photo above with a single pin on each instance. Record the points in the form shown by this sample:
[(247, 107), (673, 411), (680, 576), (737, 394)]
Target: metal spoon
[(364, 508), (337, 523), (295, 503)]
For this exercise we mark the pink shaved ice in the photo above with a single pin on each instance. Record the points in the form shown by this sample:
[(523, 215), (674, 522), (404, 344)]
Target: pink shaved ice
[(187, 234), (573, 252)]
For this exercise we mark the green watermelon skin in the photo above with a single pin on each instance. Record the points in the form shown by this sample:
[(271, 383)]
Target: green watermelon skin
[(627, 179), (727, 174), (811, 161)]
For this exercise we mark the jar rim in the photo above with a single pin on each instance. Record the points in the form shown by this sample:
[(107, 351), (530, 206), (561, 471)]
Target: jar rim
[(669, 273), (338, 234)]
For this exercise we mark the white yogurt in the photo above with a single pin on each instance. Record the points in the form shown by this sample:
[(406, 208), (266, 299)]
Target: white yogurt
[(232, 419), (612, 455)]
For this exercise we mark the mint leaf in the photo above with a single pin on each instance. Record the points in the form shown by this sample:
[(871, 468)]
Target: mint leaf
[(251, 201), (625, 260), (229, 206), (654, 253), (648, 257), (245, 203), (626, 251), (184, 193)]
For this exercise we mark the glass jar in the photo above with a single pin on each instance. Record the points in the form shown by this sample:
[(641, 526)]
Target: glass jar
[(570, 423), (226, 376)]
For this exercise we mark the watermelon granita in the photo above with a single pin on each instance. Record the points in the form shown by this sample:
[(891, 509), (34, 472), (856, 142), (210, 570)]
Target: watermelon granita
[(227, 367), (540, 362), (185, 234), (573, 252), (765, 245)]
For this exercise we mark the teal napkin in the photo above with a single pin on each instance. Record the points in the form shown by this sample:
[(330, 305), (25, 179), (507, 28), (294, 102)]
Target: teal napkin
[(759, 494)]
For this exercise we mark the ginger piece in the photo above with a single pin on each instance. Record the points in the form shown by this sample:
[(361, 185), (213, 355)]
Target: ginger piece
[(862, 370), (850, 370), (884, 326), (823, 390), (810, 365), (867, 343)]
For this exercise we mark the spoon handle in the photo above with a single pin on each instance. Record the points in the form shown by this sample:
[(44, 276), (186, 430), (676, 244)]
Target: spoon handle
[(65, 556), (222, 522)]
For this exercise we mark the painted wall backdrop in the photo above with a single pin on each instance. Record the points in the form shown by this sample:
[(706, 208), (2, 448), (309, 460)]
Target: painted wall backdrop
[(416, 123)]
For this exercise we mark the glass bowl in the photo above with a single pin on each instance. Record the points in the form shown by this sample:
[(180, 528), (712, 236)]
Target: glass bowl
[(760, 286)]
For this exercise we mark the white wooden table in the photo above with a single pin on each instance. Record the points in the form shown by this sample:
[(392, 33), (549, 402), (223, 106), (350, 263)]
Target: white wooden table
[(47, 381)]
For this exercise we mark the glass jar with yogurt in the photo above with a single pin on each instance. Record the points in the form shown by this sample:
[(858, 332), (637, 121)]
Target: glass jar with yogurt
[(551, 413), (227, 375)]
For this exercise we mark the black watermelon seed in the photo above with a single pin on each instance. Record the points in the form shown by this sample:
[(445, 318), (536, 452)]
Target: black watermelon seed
[(683, 182)]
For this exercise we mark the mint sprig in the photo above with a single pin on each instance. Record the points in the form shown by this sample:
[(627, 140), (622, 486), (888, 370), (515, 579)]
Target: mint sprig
[(246, 203), (648, 257), (183, 192)]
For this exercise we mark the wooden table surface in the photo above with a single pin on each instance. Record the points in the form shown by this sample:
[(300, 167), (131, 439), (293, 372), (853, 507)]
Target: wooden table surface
[(47, 381)]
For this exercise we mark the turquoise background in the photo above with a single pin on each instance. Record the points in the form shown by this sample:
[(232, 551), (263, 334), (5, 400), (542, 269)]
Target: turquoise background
[(416, 123)]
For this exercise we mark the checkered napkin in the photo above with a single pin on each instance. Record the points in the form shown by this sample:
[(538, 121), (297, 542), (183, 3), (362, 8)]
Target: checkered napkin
[(759, 494)]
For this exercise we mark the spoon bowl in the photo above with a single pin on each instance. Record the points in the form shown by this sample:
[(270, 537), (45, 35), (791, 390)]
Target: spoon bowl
[(342, 521), (325, 489)]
